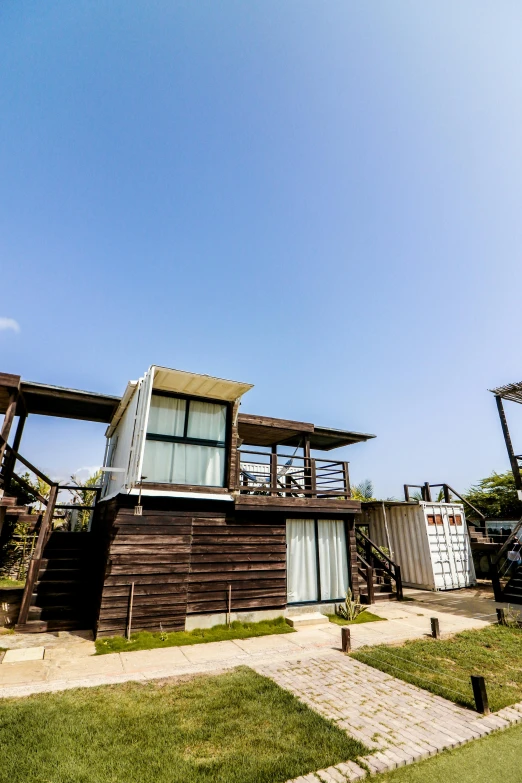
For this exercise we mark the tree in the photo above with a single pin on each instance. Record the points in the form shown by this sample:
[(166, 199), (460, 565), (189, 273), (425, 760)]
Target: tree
[(363, 491), (495, 496)]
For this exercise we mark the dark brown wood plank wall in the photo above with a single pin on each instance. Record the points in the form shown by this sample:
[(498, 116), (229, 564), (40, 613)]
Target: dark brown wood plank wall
[(153, 552), (247, 553), (182, 555)]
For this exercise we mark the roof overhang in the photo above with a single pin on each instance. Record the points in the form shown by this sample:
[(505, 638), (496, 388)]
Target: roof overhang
[(195, 385), (267, 431), (512, 391), (48, 400)]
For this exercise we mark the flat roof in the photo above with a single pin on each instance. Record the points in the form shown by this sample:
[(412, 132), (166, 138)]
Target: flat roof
[(512, 391), (267, 431), (47, 400)]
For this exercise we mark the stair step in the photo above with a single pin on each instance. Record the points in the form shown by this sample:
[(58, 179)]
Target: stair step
[(8, 500), (12, 511), (41, 626)]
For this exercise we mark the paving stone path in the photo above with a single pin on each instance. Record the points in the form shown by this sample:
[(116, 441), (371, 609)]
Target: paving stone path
[(401, 722)]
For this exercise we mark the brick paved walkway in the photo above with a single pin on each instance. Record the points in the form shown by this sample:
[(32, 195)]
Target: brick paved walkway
[(402, 722)]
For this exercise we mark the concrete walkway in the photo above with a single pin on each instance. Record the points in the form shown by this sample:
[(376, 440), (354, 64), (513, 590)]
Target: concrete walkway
[(69, 661)]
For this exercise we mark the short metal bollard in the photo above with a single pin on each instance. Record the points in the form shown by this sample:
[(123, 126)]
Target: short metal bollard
[(501, 616), (435, 630), (346, 644), (480, 695)]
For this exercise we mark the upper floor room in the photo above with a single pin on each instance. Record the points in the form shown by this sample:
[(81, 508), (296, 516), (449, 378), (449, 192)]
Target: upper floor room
[(182, 432)]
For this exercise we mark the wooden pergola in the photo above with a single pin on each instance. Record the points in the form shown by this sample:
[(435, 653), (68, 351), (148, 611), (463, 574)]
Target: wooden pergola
[(513, 393), (20, 398)]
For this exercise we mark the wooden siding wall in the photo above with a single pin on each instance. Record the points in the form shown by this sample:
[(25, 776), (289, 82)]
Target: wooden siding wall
[(249, 555), (182, 562)]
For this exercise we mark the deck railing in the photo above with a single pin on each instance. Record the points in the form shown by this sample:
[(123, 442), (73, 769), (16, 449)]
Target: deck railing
[(262, 473)]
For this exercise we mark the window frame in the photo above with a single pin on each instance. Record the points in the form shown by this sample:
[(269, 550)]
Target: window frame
[(316, 521), (222, 444)]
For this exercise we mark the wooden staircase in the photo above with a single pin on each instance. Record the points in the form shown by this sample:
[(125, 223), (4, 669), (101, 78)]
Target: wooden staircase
[(513, 590), (61, 597), (379, 577)]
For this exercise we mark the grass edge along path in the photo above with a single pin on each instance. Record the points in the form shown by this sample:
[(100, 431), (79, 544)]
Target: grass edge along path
[(148, 640), (495, 759), (444, 666), (236, 727), (364, 617)]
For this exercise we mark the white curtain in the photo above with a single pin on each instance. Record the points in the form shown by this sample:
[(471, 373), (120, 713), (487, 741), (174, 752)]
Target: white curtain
[(301, 560), (333, 559), (167, 416), (207, 421), (181, 463)]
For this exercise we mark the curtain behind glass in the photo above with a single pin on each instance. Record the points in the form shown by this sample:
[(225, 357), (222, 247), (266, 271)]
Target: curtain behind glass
[(333, 559), (181, 463), (207, 421), (301, 563), (167, 415)]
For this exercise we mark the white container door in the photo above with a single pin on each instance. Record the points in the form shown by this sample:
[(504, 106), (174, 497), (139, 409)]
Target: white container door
[(449, 547)]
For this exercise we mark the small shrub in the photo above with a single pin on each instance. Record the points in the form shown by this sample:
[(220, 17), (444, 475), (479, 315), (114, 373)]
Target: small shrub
[(350, 609)]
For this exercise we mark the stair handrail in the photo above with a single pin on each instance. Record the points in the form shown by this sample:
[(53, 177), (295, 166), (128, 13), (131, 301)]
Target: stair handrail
[(36, 558), (509, 540), (28, 488), (391, 568), (18, 457)]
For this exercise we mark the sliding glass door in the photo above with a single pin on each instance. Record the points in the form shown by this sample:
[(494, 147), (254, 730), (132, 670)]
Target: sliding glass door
[(316, 560)]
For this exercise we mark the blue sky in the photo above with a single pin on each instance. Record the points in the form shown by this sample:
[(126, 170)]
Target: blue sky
[(320, 198)]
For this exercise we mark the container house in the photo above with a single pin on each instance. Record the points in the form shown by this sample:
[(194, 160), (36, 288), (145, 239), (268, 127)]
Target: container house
[(204, 511), (429, 541)]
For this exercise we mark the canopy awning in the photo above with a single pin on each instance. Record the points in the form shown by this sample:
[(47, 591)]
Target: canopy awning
[(267, 431), (512, 392)]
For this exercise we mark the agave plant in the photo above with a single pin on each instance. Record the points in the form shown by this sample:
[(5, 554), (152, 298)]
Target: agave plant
[(350, 609)]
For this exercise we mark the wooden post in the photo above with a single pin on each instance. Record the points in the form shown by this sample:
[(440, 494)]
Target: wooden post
[(8, 420), (435, 630), (447, 494), (406, 493), (369, 583), (229, 605), (346, 477), (11, 459), (427, 491), (509, 446), (307, 464), (273, 471), (480, 695), (346, 644), (398, 583), (131, 603), (501, 617), (495, 581)]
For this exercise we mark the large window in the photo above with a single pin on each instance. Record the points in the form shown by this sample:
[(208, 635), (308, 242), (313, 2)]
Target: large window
[(316, 560), (186, 442)]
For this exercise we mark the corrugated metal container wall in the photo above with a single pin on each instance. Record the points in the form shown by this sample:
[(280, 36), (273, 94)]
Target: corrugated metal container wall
[(429, 541), (403, 531)]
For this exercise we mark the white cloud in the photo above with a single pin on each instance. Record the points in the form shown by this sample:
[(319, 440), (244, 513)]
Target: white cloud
[(9, 323)]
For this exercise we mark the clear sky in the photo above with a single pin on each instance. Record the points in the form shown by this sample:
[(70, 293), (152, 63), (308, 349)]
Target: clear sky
[(320, 198)]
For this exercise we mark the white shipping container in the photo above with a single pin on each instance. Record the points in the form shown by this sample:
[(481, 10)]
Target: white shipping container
[(429, 541)]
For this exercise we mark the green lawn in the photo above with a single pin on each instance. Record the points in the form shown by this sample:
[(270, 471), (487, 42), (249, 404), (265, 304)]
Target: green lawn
[(146, 640), (237, 727), (365, 617), (444, 666), (494, 759), (8, 584)]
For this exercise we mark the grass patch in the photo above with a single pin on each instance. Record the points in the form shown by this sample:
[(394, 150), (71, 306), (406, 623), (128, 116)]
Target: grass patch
[(444, 666), (147, 640), (8, 584), (495, 759), (237, 727), (365, 617)]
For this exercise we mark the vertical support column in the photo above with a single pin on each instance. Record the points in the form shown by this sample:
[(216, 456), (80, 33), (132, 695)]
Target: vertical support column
[(406, 493), (273, 471), (352, 558), (427, 491), (346, 477), (11, 459), (509, 446), (8, 420), (307, 465)]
